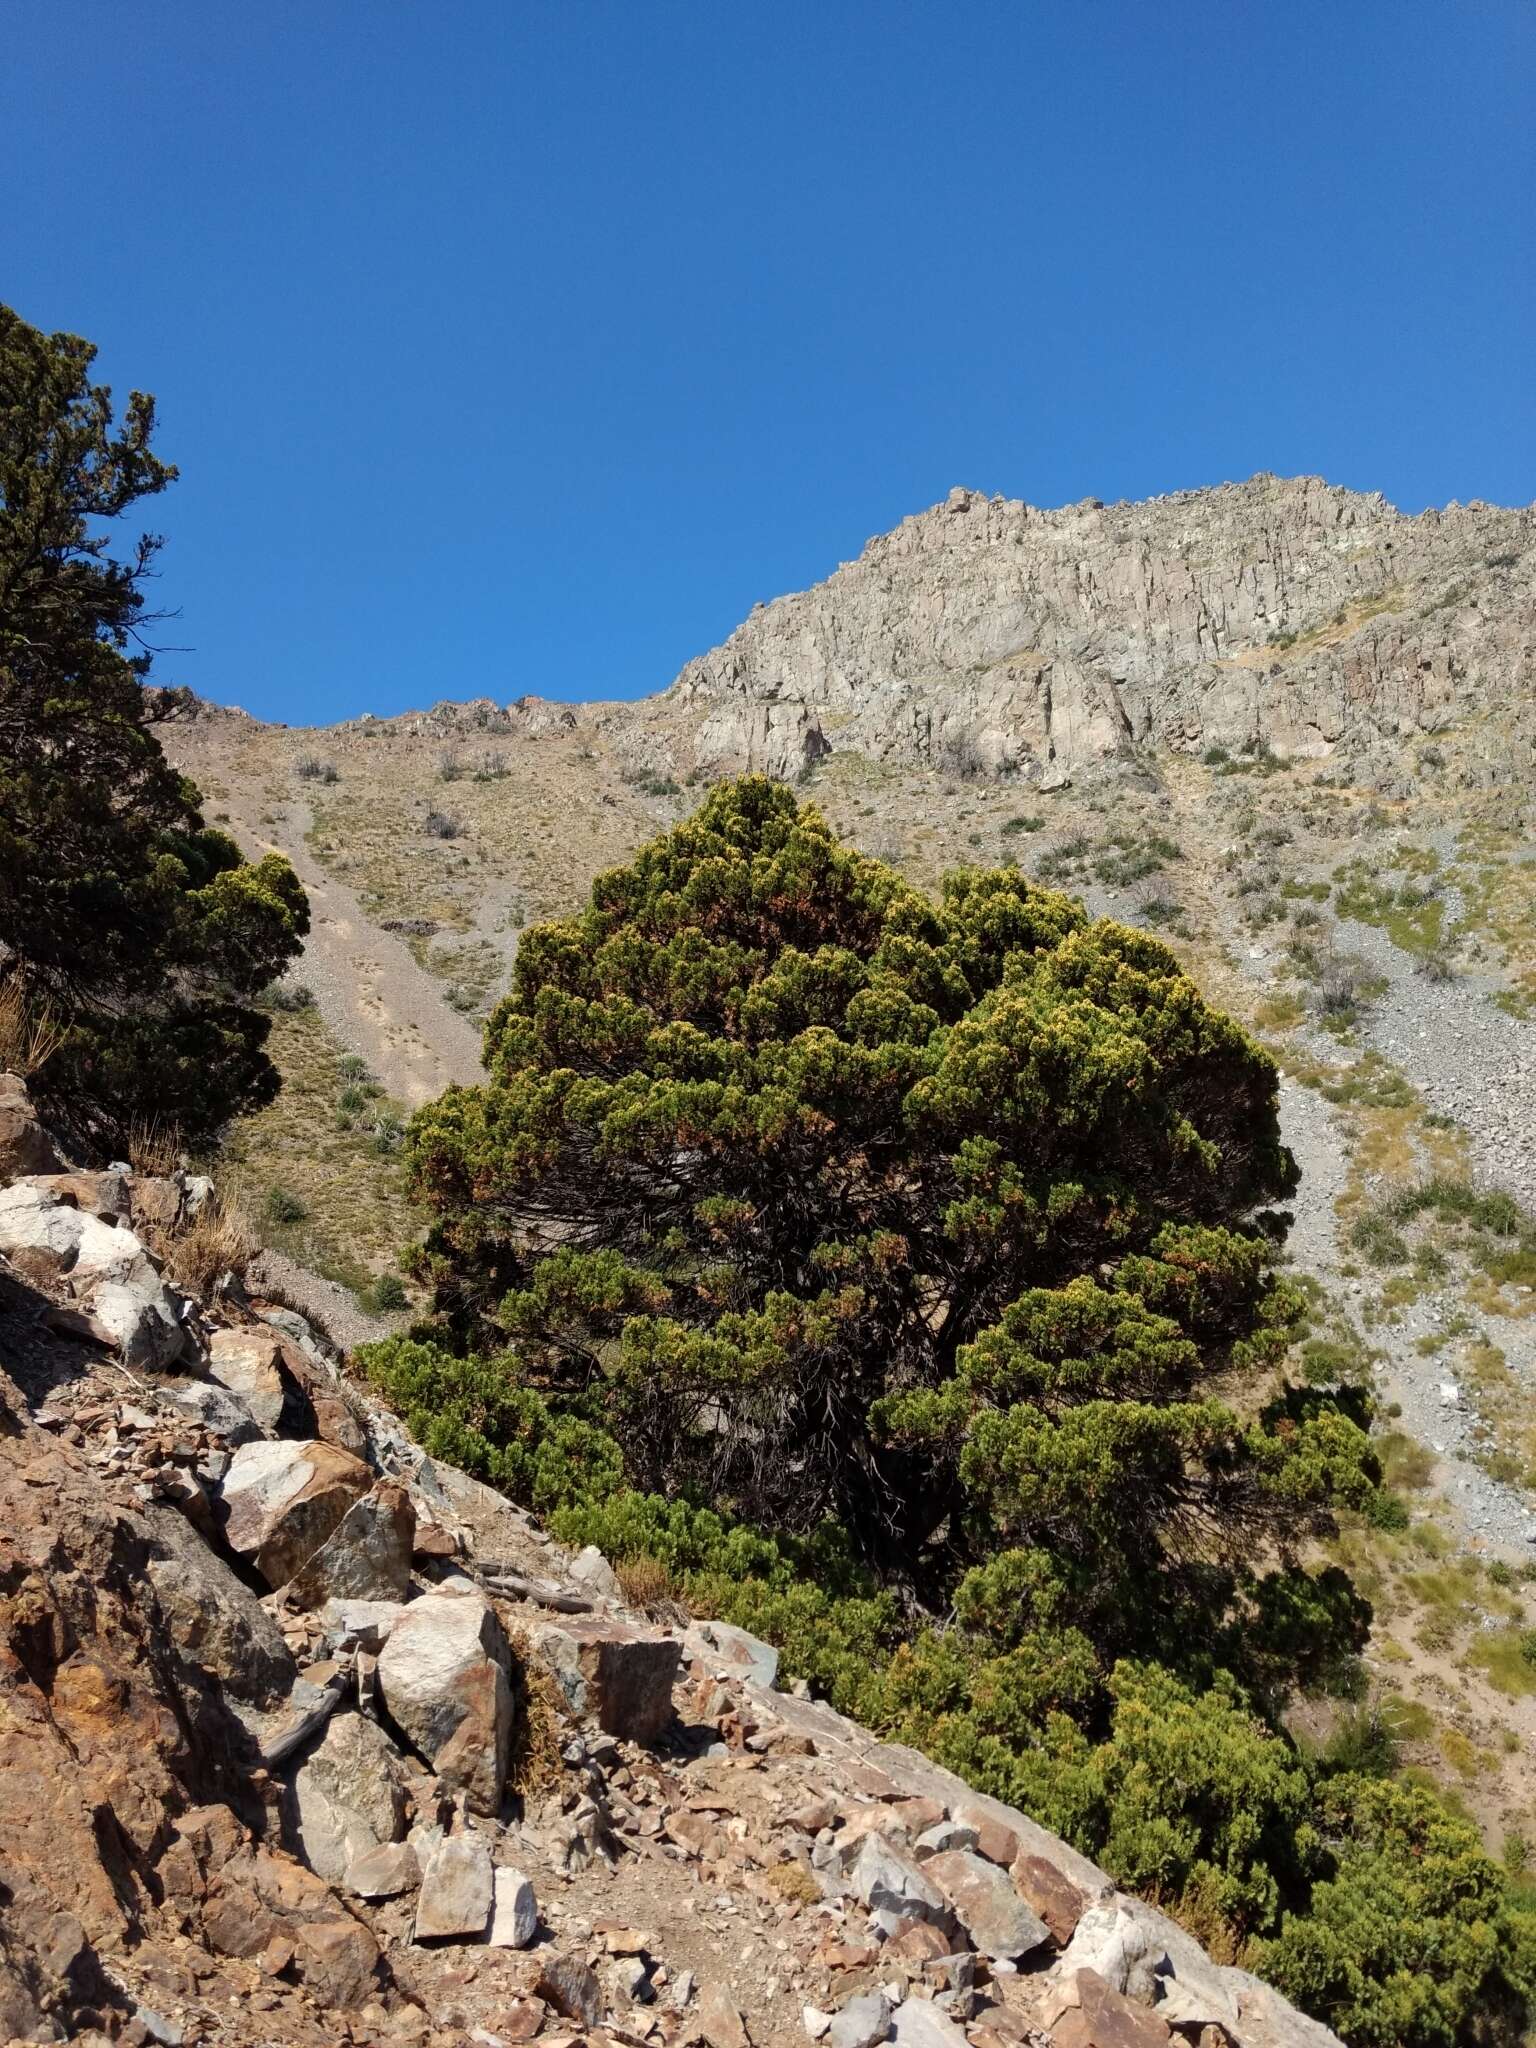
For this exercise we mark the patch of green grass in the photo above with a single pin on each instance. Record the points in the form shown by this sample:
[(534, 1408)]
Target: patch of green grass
[(1508, 1657)]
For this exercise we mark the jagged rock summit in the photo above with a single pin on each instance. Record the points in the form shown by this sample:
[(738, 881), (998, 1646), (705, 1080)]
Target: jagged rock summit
[(984, 635)]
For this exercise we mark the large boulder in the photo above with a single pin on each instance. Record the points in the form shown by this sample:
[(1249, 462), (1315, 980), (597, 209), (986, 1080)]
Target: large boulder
[(1093, 2014), (280, 1501), (258, 1896), (346, 1798), (619, 1674), (213, 1619), (25, 1147), (215, 1408), (983, 1899), (101, 1267), (246, 1363), (894, 1889), (457, 1887), (367, 1556), (443, 1678)]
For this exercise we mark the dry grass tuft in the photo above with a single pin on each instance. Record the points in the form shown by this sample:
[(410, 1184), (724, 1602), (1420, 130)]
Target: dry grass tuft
[(154, 1148), (219, 1240), (30, 1032), (794, 1882), (644, 1580), (536, 1741)]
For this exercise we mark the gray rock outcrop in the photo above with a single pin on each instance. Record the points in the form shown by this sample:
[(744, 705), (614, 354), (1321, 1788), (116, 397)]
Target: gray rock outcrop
[(986, 635)]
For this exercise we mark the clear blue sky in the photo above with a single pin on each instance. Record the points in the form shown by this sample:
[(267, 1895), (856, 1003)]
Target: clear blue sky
[(515, 347)]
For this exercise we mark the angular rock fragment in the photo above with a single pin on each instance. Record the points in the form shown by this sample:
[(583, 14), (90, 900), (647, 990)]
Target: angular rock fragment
[(215, 1408), (282, 1500), (1050, 1893), (514, 1910), (982, 1898), (618, 1673), (456, 1891), (572, 1988), (1101, 2017), (245, 1363), (592, 1572), (945, 1834), (918, 2023), (719, 2023), (367, 1556), (443, 1679), (25, 1147), (894, 1889), (734, 1653), (359, 1624), (862, 2023), (102, 1267), (384, 1872), (347, 1796)]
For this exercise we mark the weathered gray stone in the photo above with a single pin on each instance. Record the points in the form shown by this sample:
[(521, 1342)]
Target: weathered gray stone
[(246, 1363), (894, 1889), (944, 1834), (367, 1556), (862, 2022), (514, 1910), (456, 1891), (346, 1797), (280, 1501), (592, 1572), (102, 1267), (443, 1675), (734, 1653), (918, 2023), (620, 1674), (360, 1624), (983, 1900), (571, 1987), (385, 1872), (215, 1408), (213, 1618)]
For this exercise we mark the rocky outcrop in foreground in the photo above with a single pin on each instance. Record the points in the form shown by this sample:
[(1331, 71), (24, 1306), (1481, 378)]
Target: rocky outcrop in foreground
[(304, 1738)]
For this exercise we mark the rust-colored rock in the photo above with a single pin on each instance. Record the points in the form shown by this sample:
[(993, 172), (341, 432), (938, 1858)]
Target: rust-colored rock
[(282, 1500), (1102, 2018), (1050, 1894), (367, 1556), (620, 1674), (102, 1195), (25, 1147)]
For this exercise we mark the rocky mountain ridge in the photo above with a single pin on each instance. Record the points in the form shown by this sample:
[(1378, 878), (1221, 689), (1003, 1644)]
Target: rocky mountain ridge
[(989, 636), (307, 1738)]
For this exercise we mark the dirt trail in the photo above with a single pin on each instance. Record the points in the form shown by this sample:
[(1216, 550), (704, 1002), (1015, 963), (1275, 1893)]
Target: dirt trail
[(374, 997)]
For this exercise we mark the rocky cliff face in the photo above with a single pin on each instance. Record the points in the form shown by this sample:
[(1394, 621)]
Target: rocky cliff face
[(987, 636), (305, 1738)]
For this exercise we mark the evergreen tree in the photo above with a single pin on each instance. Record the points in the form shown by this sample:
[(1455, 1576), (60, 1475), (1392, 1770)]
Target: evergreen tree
[(937, 1221), (138, 925)]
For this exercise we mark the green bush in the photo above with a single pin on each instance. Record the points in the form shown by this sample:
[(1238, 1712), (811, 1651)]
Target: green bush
[(281, 1206)]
